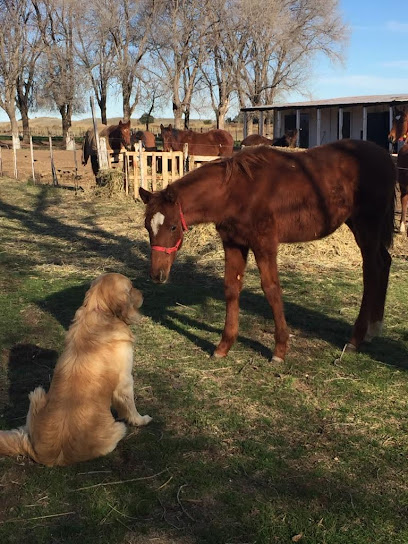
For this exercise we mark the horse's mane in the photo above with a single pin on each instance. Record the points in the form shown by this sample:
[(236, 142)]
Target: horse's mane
[(247, 160)]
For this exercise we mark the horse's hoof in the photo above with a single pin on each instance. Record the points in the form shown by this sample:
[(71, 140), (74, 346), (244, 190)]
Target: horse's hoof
[(217, 355), (276, 359), (349, 348)]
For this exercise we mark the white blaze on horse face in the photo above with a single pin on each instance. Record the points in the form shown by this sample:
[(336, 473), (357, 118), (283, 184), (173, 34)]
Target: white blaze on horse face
[(157, 220)]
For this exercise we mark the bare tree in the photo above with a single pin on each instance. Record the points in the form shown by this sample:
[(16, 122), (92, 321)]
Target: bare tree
[(15, 53), (95, 50), (179, 44), (62, 81), (129, 24), (226, 40), (282, 39)]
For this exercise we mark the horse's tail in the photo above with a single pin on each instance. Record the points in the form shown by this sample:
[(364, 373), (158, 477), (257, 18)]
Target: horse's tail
[(17, 441)]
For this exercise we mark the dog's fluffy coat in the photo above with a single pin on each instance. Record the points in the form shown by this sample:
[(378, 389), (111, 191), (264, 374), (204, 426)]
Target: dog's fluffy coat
[(73, 421)]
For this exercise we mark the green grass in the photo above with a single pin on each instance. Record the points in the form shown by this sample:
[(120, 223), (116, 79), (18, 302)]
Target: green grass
[(240, 450)]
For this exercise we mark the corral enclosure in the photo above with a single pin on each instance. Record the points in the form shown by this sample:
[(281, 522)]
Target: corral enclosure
[(240, 450)]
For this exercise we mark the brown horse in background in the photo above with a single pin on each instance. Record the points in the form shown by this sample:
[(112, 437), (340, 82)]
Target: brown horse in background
[(263, 196), (213, 143), (147, 138), (287, 140), (399, 135), (117, 139)]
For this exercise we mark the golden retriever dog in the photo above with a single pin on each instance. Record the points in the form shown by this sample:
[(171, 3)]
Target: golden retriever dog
[(73, 421)]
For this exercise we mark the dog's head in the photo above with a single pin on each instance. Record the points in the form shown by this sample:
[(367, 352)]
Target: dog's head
[(113, 294)]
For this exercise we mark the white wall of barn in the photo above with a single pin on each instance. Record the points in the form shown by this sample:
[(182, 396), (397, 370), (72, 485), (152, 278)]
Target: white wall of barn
[(329, 122)]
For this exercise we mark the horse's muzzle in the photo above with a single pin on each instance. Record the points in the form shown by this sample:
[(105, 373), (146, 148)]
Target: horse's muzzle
[(159, 277)]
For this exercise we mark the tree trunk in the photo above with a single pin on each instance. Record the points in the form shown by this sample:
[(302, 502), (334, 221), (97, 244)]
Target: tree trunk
[(26, 125), (102, 106), (14, 130), (220, 113), (178, 122), (187, 119), (65, 112)]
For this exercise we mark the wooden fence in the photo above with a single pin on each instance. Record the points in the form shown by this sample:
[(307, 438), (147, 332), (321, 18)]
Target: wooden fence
[(154, 170)]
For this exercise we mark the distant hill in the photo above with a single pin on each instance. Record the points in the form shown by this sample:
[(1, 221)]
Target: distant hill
[(52, 125)]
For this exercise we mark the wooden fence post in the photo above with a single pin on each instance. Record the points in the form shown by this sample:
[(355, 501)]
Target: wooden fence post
[(142, 172), (185, 157), (53, 171), (32, 158), (1, 163)]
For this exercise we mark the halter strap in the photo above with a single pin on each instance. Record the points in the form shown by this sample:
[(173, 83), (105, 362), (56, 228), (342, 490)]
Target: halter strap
[(170, 250)]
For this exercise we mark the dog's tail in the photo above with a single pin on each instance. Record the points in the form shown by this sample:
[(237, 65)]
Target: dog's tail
[(17, 441)]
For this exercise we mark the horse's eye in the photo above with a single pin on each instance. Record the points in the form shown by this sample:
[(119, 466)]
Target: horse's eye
[(173, 227)]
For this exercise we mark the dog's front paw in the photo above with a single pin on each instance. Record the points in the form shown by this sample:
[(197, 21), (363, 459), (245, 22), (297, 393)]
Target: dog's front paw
[(140, 421), (146, 420)]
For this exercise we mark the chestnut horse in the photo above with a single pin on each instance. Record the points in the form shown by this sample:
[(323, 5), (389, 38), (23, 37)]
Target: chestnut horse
[(262, 196), (213, 143), (147, 138), (287, 140), (117, 139), (399, 133)]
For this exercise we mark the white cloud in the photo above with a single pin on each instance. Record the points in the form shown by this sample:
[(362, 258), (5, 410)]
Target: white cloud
[(396, 26), (403, 64)]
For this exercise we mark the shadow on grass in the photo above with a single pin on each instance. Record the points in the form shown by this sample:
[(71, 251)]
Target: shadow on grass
[(28, 366)]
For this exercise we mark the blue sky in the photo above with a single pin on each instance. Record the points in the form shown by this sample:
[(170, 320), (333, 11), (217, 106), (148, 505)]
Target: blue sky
[(376, 60), (377, 55)]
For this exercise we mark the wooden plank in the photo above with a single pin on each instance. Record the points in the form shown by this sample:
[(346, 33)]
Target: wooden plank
[(165, 169)]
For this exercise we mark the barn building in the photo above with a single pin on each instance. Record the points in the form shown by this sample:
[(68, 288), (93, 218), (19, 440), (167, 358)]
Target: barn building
[(324, 121)]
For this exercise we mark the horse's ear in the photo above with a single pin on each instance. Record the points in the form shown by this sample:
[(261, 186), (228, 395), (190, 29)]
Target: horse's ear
[(120, 122), (161, 126), (145, 195), (169, 195), (169, 127)]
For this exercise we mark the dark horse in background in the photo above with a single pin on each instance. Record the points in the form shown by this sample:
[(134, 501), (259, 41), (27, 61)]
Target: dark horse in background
[(117, 139), (287, 140), (214, 143), (399, 134), (263, 196), (147, 138)]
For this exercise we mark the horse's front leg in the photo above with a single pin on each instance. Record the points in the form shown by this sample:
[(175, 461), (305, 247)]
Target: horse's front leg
[(404, 205), (235, 263), (268, 270)]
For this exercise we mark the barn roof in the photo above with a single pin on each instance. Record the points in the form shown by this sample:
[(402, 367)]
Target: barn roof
[(369, 100)]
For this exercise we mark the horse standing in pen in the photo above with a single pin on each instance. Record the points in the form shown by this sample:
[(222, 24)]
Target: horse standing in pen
[(117, 139), (399, 134), (263, 196), (214, 143), (287, 140)]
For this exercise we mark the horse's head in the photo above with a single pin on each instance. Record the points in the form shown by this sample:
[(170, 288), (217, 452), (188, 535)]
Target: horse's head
[(167, 137), (125, 134), (399, 130), (165, 224)]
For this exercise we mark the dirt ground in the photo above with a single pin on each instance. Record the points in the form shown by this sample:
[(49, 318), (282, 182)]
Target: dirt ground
[(68, 165)]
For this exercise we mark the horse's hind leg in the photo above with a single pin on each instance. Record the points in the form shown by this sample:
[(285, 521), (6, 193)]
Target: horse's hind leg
[(268, 269), (235, 263), (378, 303), (376, 267)]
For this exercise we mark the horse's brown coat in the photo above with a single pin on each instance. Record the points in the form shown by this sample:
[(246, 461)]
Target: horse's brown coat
[(213, 143), (117, 139), (287, 140), (399, 133), (263, 196)]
